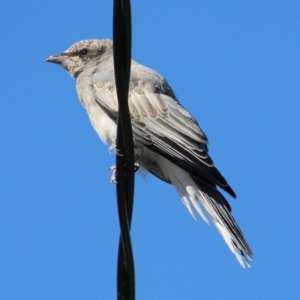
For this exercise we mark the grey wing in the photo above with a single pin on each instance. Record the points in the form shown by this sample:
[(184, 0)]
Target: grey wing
[(159, 122)]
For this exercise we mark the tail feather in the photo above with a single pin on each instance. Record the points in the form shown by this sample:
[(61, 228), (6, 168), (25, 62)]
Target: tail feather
[(196, 195), (198, 208), (187, 203), (219, 211)]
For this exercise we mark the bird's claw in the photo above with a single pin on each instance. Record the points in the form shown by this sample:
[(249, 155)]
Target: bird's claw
[(113, 169), (113, 178), (136, 167), (113, 148)]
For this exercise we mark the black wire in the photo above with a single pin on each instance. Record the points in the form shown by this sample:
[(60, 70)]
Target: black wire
[(124, 145)]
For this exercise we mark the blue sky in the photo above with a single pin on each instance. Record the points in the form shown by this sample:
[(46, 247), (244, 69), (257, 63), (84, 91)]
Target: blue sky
[(235, 66)]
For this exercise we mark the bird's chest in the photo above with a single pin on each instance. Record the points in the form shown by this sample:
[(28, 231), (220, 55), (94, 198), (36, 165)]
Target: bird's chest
[(104, 126)]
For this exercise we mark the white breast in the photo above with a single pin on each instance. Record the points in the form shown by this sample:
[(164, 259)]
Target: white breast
[(103, 125)]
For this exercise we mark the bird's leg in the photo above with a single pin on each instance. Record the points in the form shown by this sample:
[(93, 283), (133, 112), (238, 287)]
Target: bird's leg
[(114, 148), (113, 169), (113, 178), (136, 167)]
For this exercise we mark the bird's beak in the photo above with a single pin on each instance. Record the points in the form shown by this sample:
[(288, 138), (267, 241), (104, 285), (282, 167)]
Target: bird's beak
[(57, 59)]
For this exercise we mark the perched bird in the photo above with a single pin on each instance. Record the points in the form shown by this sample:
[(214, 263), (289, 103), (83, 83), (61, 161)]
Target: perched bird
[(168, 141)]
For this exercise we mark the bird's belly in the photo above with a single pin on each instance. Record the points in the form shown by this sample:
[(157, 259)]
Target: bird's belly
[(104, 126)]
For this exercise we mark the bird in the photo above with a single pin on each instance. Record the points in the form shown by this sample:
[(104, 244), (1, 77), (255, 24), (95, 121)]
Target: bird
[(168, 141)]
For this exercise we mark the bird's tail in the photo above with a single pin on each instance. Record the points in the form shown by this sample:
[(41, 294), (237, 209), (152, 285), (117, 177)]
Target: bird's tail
[(196, 195)]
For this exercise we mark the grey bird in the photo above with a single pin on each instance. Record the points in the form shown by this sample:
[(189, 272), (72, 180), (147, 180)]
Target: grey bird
[(168, 141)]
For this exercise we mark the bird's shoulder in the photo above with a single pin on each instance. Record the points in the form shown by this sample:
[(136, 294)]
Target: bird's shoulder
[(149, 92), (150, 80), (150, 95)]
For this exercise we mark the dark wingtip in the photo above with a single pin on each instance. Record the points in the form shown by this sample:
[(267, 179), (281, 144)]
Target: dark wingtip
[(230, 191)]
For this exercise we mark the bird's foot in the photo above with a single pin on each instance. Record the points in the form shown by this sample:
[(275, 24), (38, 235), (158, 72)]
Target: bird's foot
[(113, 178), (113, 169), (136, 167), (113, 148)]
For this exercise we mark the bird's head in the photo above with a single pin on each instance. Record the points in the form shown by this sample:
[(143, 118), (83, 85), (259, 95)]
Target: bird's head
[(82, 55)]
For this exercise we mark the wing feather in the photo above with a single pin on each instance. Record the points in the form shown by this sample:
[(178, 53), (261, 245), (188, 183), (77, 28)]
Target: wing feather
[(160, 122)]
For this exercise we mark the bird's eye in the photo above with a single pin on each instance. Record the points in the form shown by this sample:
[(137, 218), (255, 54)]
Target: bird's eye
[(83, 52)]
